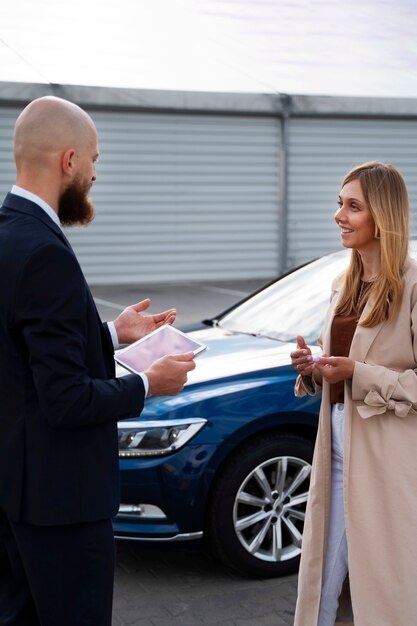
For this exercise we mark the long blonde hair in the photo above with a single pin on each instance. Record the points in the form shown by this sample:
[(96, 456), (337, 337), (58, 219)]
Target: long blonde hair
[(386, 195)]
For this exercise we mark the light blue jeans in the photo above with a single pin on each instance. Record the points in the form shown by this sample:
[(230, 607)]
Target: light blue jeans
[(336, 564)]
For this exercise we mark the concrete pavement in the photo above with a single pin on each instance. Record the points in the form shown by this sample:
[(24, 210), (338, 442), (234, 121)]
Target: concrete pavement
[(182, 586), (193, 301)]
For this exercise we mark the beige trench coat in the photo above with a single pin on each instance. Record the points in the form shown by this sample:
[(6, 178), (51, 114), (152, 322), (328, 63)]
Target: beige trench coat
[(380, 473)]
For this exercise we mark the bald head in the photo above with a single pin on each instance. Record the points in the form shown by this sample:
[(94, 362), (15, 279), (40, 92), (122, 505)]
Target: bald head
[(55, 145), (46, 128)]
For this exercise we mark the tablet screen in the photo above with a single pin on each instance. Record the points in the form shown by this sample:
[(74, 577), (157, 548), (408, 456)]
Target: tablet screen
[(164, 340)]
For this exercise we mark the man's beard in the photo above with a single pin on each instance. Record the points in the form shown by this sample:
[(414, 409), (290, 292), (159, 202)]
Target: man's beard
[(75, 207)]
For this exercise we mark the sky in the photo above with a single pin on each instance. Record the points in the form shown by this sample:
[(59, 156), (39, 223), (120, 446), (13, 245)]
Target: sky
[(323, 47)]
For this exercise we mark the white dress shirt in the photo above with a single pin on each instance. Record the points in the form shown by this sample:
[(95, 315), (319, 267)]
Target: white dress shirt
[(19, 191)]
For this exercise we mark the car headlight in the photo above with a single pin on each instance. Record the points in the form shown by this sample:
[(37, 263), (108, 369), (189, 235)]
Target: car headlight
[(156, 438)]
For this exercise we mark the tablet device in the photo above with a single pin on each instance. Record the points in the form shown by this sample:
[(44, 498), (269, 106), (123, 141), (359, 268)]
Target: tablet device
[(164, 340)]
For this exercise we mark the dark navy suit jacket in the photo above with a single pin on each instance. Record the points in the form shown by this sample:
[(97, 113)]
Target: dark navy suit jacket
[(59, 400)]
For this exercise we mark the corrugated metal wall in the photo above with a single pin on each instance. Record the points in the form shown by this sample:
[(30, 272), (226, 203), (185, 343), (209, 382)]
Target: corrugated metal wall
[(321, 152), (183, 197), (7, 169), (178, 197)]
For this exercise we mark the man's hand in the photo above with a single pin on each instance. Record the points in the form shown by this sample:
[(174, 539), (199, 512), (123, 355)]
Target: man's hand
[(168, 375), (335, 368), (131, 325)]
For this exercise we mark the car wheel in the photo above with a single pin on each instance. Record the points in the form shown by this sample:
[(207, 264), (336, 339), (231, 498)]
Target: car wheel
[(257, 508)]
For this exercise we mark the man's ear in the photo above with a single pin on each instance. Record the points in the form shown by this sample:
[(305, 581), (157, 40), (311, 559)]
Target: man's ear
[(68, 162)]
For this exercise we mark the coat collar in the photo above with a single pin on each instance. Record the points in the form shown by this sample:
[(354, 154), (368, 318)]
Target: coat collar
[(363, 337), (23, 205)]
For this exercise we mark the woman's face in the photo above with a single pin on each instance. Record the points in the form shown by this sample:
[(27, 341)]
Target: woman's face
[(357, 226)]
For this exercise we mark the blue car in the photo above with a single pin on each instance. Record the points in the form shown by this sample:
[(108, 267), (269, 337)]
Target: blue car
[(229, 458)]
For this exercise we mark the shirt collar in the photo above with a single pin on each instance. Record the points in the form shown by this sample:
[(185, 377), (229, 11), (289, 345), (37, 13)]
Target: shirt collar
[(19, 191)]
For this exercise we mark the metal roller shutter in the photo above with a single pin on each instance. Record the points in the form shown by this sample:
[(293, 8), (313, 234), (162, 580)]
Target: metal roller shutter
[(183, 197), (321, 151), (7, 168), (178, 197)]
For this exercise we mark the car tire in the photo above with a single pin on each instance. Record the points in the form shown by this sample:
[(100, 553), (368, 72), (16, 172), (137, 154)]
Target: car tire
[(257, 506)]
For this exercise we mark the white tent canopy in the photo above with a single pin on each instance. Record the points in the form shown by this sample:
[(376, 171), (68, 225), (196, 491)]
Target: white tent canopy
[(327, 47)]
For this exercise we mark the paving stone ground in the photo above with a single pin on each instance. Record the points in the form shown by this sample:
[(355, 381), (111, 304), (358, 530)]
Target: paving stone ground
[(183, 586)]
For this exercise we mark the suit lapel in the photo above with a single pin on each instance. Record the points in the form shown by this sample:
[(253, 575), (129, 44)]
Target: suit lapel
[(62, 236), (22, 205)]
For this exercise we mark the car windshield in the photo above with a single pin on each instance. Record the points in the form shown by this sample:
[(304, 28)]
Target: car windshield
[(294, 305)]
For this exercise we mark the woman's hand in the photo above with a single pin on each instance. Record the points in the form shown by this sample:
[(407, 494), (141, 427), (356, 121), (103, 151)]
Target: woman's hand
[(334, 368), (301, 359)]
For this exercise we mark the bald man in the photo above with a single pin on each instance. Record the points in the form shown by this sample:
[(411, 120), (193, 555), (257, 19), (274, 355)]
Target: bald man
[(59, 398)]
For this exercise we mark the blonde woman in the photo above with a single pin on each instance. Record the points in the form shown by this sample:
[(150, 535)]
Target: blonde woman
[(362, 510)]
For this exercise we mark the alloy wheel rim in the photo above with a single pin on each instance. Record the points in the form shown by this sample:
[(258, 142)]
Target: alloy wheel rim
[(269, 508)]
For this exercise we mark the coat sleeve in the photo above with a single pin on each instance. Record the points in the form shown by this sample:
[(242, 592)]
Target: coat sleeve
[(306, 385), (50, 314), (383, 389)]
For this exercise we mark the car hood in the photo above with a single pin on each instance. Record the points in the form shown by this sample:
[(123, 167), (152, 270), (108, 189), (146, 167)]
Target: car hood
[(230, 354)]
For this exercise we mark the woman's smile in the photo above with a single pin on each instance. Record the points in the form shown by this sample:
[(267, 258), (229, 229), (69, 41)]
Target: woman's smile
[(354, 218)]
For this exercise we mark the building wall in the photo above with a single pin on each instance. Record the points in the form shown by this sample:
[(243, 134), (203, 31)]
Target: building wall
[(7, 169), (178, 197), (320, 153), (183, 197), (219, 186)]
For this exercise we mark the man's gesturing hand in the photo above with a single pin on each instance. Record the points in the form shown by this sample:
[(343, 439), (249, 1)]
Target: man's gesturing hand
[(131, 325), (168, 375)]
